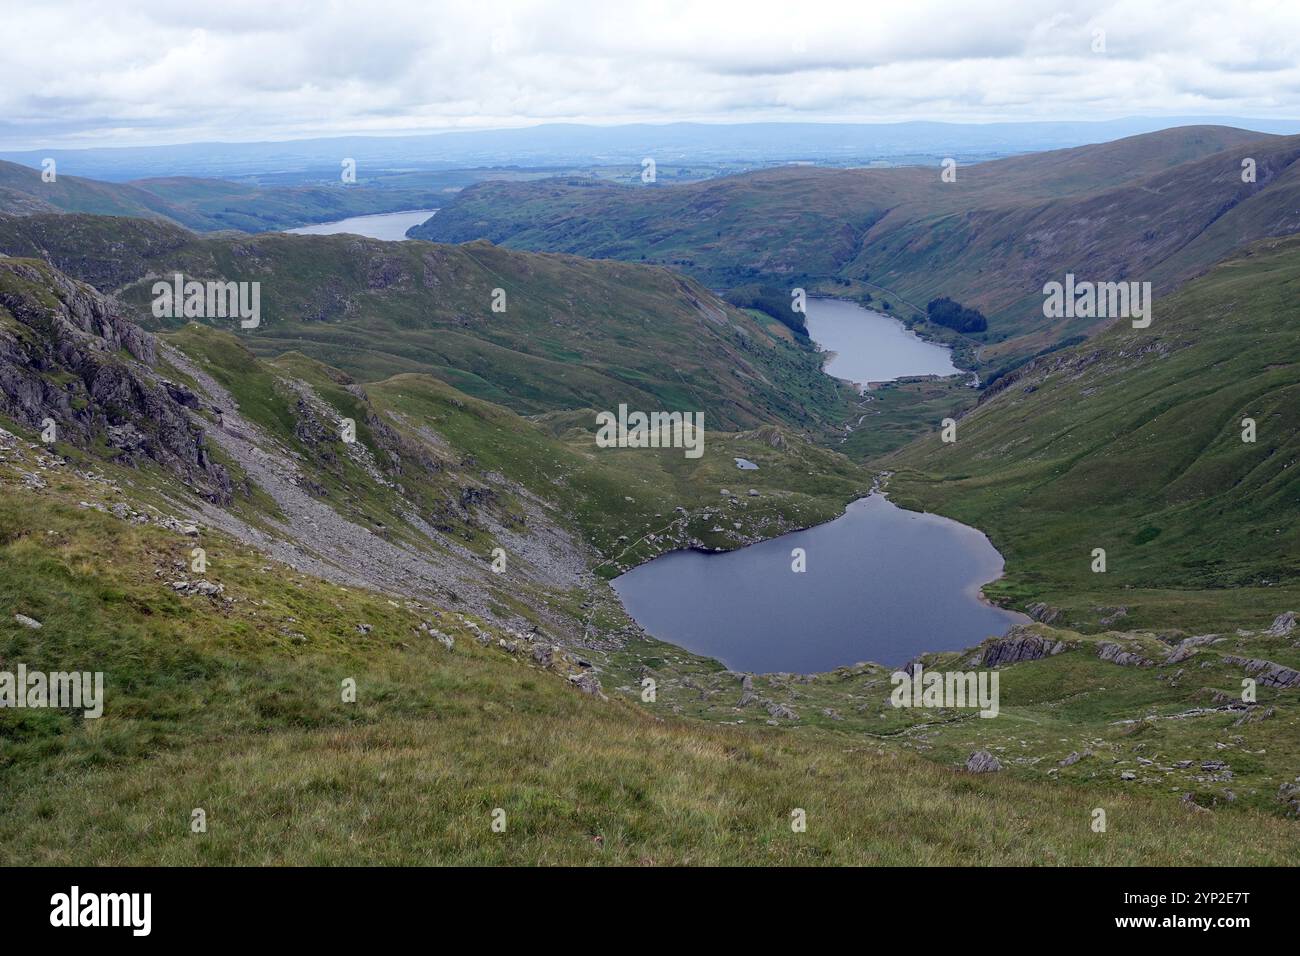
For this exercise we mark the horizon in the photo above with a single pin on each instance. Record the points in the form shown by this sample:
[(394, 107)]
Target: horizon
[(1247, 123)]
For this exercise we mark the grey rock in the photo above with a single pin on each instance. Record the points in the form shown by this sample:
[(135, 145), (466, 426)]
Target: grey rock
[(780, 711), (26, 621), (1044, 613), (981, 761), (1289, 793), (1117, 655), (68, 366), (1187, 647), (1019, 644), (1266, 672), (587, 683), (1282, 625), (192, 588)]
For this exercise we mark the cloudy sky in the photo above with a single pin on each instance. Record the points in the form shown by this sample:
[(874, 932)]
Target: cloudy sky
[(138, 72)]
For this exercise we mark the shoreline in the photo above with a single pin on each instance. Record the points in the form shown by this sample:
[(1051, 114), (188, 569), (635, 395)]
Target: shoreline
[(829, 355)]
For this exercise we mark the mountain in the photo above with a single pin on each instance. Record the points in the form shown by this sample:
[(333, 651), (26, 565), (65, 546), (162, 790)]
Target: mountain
[(345, 678), (1133, 442), (1158, 207), (205, 205), (434, 481), (573, 333)]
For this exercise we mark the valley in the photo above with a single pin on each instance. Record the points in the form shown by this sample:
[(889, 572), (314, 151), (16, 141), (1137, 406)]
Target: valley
[(498, 587)]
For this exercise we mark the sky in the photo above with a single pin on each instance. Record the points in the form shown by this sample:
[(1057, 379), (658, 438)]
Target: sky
[(134, 72)]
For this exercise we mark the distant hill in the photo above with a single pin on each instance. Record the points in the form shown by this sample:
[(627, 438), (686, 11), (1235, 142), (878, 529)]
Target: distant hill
[(205, 205), (567, 144), (1157, 207), (574, 333)]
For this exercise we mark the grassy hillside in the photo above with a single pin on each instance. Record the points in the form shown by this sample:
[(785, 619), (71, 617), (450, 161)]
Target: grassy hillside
[(573, 334), (1133, 443), (520, 690), (206, 205), (1158, 207), (233, 705)]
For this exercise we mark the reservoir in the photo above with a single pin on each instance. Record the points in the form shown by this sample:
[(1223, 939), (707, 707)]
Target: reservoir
[(870, 347), (388, 226), (882, 584)]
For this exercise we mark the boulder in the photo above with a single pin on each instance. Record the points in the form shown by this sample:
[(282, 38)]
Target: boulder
[(587, 683), (981, 761)]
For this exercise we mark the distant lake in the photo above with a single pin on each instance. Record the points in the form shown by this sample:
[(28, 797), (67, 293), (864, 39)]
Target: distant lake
[(388, 226), (882, 584), (870, 347)]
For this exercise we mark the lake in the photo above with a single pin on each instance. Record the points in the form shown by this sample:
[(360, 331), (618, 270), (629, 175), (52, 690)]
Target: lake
[(388, 226), (870, 347), (882, 584)]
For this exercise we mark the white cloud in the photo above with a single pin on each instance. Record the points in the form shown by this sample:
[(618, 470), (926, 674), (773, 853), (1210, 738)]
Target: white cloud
[(83, 73)]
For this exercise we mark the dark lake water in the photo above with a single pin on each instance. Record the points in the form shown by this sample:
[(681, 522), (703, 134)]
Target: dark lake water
[(389, 226), (871, 347), (882, 584)]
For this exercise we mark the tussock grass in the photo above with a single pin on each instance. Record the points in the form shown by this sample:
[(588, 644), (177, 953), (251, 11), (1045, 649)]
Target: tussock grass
[(235, 709)]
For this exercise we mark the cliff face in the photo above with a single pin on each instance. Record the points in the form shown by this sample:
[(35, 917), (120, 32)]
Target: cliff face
[(68, 355)]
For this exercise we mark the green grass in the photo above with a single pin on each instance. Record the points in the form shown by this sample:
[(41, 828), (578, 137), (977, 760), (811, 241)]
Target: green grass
[(236, 709), (1161, 206), (1132, 443), (575, 333)]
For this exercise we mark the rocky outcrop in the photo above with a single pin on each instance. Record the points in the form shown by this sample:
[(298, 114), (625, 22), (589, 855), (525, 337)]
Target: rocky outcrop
[(1266, 672), (68, 356), (1117, 655), (1019, 644), (198, 588), (1282, 625), (1187, 647), (1044, 613)]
